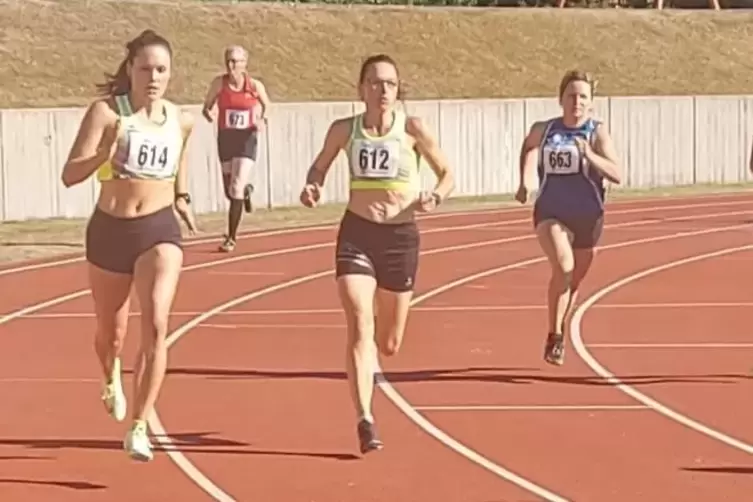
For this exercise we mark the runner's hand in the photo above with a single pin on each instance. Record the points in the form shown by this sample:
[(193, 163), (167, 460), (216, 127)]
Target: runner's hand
[(427, 201), (522, 194), (310, 195), (181, 206)]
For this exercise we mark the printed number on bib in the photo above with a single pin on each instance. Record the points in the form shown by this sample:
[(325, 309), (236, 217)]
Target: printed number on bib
[(238, 119), (376, 160), (564, 160), (149, 156)]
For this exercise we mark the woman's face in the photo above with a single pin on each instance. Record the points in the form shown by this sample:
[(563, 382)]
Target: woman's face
[(150, 72), (380, 86), (576, 100)]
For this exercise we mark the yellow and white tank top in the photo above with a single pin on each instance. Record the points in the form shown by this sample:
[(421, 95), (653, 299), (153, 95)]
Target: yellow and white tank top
[(144, 150), (382, 162)]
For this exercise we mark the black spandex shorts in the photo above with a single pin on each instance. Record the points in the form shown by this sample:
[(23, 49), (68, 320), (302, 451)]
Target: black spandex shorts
[(115, 244), (586, 229), (234, 143), (387, 252)]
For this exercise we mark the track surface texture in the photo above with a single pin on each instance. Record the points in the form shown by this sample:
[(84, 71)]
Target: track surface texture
[(653, 402)]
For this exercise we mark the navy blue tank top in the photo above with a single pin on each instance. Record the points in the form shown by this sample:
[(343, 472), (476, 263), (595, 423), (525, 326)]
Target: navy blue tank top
[(567, 186)]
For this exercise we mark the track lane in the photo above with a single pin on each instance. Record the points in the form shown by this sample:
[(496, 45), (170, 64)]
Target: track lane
[(64, 362), (92, 356), (265, 373)]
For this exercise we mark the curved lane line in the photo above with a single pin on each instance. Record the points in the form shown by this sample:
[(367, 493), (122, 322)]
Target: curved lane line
[(220, 495), (576, 336), (501, 211), (391, 393)]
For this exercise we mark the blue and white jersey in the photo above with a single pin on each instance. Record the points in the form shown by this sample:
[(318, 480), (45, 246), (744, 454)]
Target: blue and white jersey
[(567, 186)]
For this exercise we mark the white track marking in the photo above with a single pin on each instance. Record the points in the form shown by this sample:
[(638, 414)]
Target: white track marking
[(533, 407), (25, 312), (155, 424), (252, 273), (436, 308), (43, 380), (689, 305), (270, 326), (181, 461), (329, 225), (709, 345), (268, 233), (402, 404), (218, 494), (582, 351), (473, 245), (384, 385)]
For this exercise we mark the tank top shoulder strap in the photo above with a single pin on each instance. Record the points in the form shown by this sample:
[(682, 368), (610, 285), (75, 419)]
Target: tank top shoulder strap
[(400, 123), (548, 124), (123, 104), (592, 127)]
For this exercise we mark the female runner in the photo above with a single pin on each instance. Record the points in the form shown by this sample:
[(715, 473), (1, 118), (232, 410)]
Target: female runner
[(378, 241), (135, 141), (574, 156)]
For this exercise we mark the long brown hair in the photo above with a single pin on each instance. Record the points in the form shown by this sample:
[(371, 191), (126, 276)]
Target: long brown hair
[(119, 82)]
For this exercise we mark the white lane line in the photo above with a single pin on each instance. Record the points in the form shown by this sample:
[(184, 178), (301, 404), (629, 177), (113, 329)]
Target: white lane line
[(329, 225), (271, 326), (533, 407), (297, 249), (26, 312), (436, 308), (709, 345), (576, 336), (155, 424), (274, 233), (403, 405), (201, 480)]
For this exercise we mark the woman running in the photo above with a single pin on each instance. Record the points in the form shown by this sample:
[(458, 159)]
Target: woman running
[(378, 241), (135, 141), (242, 105), (574, 156)]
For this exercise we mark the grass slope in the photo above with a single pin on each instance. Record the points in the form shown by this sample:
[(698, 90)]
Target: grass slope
[(52, 52)]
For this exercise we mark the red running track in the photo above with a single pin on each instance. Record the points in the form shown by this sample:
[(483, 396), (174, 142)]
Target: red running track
[(256, 407)]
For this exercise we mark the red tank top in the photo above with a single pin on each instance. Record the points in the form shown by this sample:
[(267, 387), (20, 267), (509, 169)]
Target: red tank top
[(237, 108)]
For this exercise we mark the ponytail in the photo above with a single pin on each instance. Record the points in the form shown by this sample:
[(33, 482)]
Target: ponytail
[(120, 82)]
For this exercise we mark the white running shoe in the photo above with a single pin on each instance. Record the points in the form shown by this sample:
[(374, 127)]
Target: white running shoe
[(113, 396), (137, 444)]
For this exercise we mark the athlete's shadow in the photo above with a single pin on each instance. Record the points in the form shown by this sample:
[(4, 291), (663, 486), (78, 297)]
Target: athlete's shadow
[(42, 244), (73, 485), (515, 376), (721, 470), (191, 442)]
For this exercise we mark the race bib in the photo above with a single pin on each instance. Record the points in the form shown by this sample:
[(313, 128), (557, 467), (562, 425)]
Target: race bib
[(561, 159), (151, 155), (238, 119), (375, 159)]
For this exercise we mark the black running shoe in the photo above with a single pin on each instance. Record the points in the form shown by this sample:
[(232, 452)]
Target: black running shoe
[(247, 198), (554, 353), (367, 437)]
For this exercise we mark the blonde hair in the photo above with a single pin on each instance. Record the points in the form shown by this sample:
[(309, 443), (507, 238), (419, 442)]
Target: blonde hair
[(577, 76), (233, 48)]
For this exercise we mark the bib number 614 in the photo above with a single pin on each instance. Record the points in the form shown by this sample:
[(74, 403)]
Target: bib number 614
[(152, 156)]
